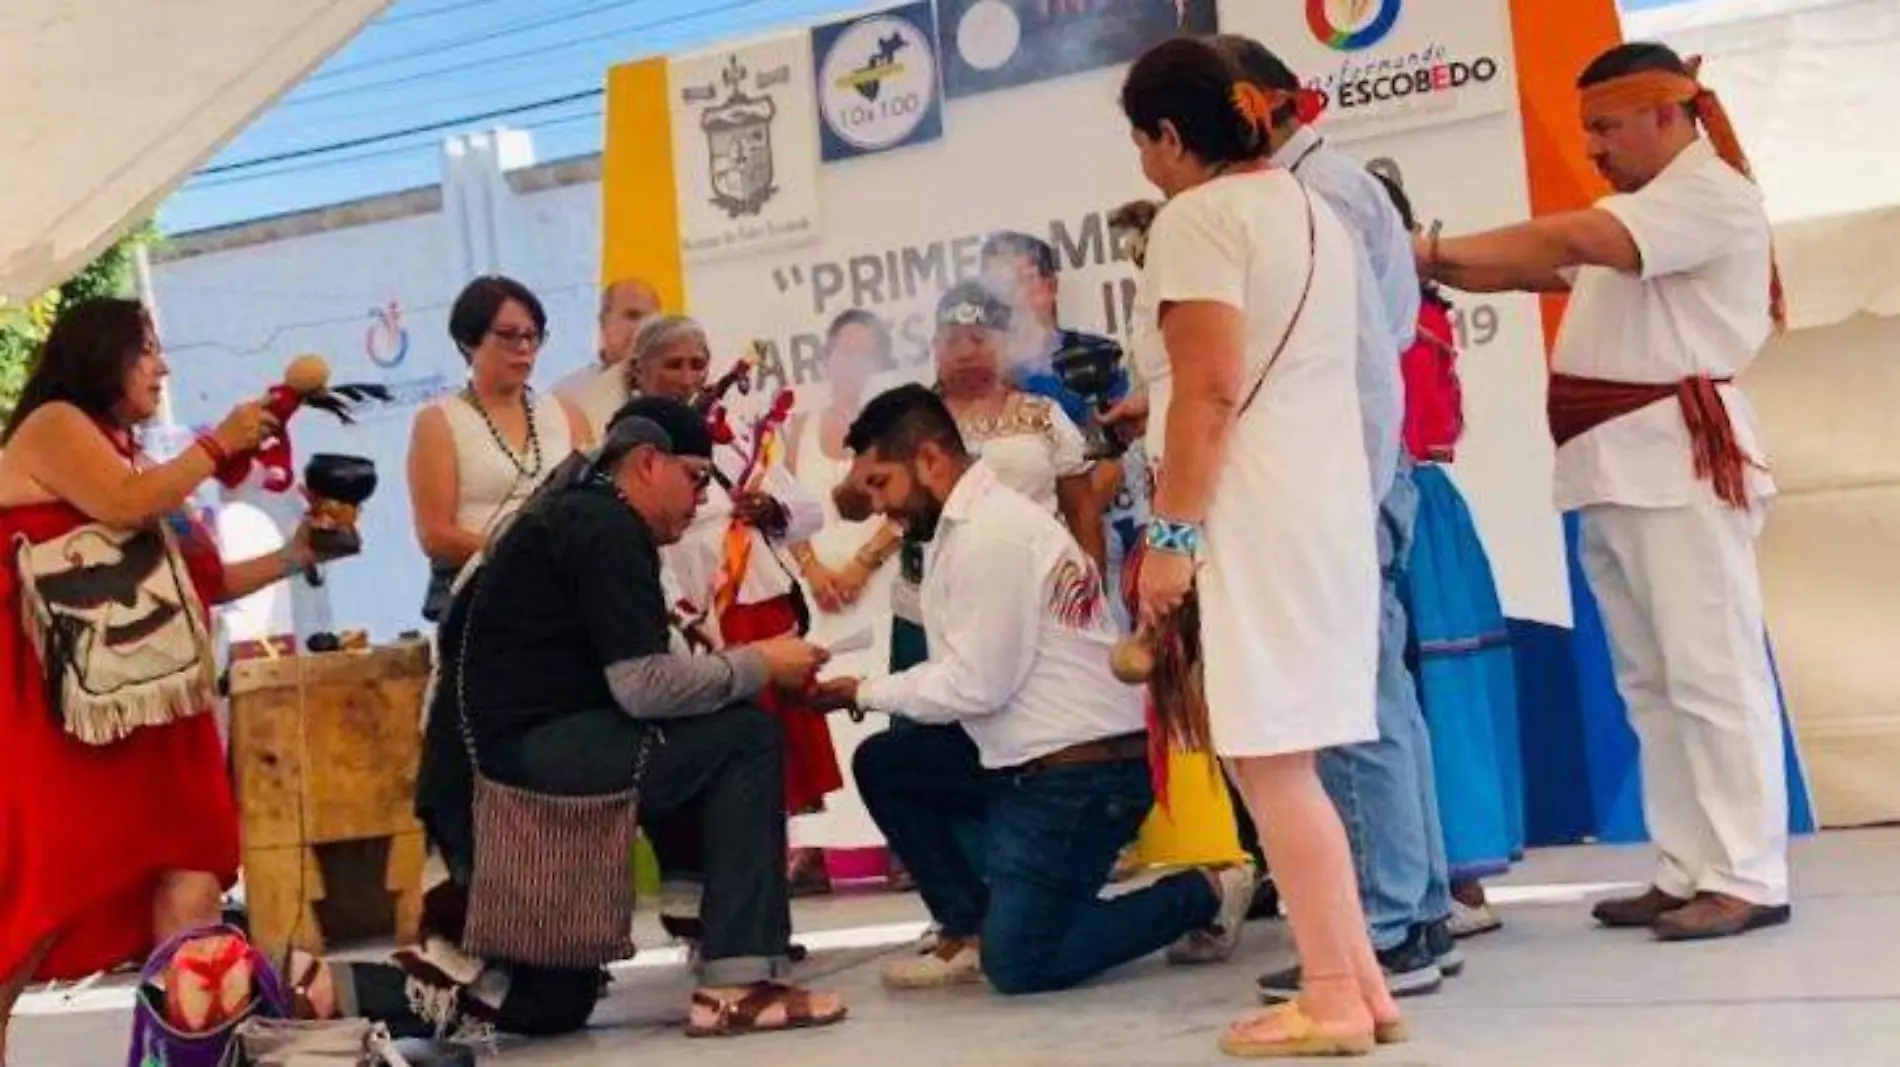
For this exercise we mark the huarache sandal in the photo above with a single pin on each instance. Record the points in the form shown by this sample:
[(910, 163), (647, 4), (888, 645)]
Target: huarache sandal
[(301, 981), (736, 1018), (1300, 1037)]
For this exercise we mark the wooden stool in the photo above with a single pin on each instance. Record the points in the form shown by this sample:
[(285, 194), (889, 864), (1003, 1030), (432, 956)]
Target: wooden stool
[(325, 749)]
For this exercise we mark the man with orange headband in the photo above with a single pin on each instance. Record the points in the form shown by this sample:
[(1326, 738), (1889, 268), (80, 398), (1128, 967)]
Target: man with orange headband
[(1673, 292)]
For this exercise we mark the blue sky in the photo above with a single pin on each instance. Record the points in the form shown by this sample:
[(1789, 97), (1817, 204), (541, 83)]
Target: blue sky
[(430, 62)]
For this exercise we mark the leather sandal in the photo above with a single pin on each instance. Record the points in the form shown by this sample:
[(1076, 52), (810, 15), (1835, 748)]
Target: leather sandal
[(1303, 1038), (300, 983), (736, 1018)]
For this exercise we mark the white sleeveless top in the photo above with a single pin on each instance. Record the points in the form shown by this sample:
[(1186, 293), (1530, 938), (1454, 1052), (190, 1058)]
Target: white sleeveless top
[(491, 483)]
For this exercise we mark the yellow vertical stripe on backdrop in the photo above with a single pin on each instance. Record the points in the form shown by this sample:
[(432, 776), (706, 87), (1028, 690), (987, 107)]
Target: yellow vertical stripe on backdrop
[(639, 211)]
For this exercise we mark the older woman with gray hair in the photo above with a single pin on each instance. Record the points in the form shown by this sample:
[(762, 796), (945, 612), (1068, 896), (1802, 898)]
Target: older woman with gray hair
[(672, 360)]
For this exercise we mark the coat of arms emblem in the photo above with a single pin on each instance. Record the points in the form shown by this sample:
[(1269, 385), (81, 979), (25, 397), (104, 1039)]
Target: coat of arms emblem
[(739, 145)]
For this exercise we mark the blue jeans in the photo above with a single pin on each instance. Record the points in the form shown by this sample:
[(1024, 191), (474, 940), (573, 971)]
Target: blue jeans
[(1050, 840), (1386, 790)]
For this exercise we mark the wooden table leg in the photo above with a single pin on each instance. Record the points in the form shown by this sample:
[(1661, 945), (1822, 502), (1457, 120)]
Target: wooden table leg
[(280, 885), (405, 881)]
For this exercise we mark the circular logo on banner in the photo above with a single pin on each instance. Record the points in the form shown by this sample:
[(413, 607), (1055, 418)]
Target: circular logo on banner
[(386, 341), (989, 34), (1362, 23), (879, 82)]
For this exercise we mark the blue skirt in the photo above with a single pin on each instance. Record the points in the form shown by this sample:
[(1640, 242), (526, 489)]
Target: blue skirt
[(1461, 650)]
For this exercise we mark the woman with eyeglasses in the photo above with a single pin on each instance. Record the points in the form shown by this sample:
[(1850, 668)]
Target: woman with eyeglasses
[(476, 455)]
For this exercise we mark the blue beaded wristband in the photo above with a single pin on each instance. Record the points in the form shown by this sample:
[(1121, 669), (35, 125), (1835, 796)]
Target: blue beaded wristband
[(1180, 538)]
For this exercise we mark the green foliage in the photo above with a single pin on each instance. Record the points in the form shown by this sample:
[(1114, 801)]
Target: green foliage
[(23, 326)]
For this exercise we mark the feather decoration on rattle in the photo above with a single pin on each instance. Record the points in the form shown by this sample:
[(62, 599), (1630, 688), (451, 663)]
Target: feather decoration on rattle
[(306, 384)]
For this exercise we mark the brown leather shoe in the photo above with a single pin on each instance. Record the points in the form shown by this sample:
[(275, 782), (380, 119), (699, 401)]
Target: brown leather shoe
[(1631, 912), (1712, 915)]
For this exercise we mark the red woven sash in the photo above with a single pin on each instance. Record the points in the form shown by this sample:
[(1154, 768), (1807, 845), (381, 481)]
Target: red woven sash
[(1579, 405)]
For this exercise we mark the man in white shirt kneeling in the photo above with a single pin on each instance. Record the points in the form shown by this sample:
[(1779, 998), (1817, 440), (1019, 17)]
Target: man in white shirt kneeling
[(1024, 728)]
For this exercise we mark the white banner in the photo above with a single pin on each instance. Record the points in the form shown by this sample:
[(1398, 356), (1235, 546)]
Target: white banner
[(745, 145), (1391, 65)]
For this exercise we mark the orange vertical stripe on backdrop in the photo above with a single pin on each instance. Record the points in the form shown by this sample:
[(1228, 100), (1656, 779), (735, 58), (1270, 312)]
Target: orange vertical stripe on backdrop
[(1554, 40), (639, 210)]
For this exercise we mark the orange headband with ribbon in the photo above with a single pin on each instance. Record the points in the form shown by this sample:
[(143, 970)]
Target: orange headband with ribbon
[(1257, 104), (1656, 88)]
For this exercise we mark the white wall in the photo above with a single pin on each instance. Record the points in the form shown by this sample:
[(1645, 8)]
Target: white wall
[(232, 320)]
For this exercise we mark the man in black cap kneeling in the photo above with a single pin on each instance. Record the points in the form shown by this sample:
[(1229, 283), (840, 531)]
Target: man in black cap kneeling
[(572, 669)]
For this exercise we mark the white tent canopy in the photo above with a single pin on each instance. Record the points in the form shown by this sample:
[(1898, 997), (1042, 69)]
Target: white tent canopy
[(110, 104)]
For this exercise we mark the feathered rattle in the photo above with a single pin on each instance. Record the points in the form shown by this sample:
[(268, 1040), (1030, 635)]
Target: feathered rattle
[(710, 401), (306, 384)]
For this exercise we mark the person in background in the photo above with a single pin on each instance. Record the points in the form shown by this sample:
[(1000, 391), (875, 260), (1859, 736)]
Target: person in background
[(1024, 270), (1385, 788), (844, 557), (847, 566), (598, 389), (1025, 438), (572, 672), (1460, 641), (1262, 508), (475, 456), (1673, 292), (673, 360), (114, 844), (1031, 736)]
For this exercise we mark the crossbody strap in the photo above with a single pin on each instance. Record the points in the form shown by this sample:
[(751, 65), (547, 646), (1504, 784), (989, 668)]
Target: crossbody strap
[(1299, 309)]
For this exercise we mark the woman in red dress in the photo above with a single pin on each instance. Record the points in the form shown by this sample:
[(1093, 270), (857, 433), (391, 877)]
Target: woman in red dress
[(108, 847)]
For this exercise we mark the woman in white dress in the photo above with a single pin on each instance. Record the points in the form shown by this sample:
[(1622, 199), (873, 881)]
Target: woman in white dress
[(476, 455), (1261, 507)]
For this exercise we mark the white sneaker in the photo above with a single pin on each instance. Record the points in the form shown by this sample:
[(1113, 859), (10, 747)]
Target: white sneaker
[(1467, 921), (962, 966), (1218, 940)]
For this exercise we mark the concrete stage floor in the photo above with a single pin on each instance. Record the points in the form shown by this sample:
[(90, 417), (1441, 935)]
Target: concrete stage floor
[(1548, 990)]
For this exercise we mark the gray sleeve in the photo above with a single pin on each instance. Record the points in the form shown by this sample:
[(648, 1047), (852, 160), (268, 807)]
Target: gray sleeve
[(669, 686)]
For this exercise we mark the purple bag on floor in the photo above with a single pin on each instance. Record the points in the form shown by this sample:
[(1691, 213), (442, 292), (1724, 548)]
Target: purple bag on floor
[(156, 1044)]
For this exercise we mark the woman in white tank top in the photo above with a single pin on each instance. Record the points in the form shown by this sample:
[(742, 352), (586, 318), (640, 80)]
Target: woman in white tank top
[(476, 455)]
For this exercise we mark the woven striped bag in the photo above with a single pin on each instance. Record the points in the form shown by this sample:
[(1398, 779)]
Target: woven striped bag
[(549, 886)]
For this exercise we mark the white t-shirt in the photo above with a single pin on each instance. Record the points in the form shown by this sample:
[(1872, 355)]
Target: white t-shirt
[(1700, 307)]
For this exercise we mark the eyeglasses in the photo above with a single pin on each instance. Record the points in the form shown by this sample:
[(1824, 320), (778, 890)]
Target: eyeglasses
[(520, 338), (698, 471)]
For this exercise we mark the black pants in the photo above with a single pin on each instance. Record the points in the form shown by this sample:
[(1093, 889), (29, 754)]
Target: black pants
[(725, 773)]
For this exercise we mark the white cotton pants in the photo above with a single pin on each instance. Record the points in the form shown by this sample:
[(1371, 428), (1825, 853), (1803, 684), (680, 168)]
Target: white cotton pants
[(1681, 601)]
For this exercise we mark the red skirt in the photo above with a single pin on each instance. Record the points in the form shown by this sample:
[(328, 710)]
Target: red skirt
[(811, 763), (86, 831)]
